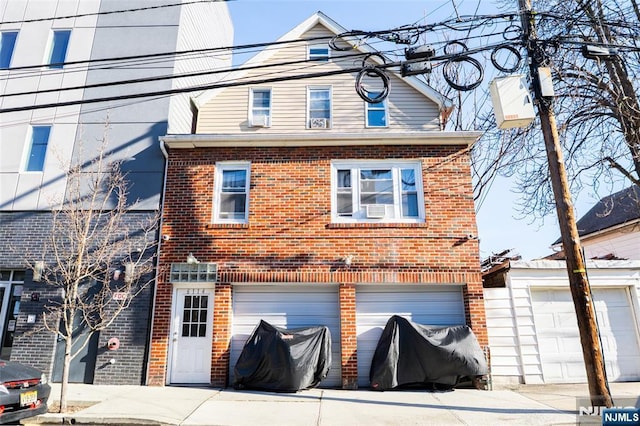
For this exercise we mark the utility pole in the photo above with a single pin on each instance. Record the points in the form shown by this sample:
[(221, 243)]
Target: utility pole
[(578, 282)]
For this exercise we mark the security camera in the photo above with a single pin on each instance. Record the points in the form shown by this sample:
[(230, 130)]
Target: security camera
[(166, 237), (471, 237)]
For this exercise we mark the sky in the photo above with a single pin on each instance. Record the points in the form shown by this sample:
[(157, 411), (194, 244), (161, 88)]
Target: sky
[(500, 226)]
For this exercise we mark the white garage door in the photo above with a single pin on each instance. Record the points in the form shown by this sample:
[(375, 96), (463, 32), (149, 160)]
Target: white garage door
[(433, 305), (559, 339), (289, 307)]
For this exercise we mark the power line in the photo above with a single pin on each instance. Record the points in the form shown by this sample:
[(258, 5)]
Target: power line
[(181, 90), (170, 77), (112, 12), (163, 54)]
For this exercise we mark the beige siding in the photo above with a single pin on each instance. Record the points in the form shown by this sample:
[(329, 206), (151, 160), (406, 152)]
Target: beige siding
[(227, 112)]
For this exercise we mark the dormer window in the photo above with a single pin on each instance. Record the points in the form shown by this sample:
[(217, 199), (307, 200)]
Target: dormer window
[(318, 53)]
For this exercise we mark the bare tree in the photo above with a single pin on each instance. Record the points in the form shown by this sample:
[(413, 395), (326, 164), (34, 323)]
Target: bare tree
[(596, 106), (97, 258)]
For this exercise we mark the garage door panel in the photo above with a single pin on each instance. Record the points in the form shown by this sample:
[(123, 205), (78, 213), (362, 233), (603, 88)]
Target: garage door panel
[(421, 304), (289, 307), (559, 339)]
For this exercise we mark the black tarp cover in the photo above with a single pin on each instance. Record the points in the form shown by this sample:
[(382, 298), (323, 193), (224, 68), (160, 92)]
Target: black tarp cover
[(410, 354), (282, 360)]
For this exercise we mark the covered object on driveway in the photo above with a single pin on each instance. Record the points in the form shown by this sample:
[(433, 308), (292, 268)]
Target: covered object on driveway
[(278, 359), (409, 353), (290, 307)]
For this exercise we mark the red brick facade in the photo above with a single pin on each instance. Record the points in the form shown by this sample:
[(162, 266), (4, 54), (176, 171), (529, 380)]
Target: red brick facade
[(290, 237)]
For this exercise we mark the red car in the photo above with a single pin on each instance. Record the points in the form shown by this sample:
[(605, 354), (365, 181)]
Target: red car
[(24, 392)]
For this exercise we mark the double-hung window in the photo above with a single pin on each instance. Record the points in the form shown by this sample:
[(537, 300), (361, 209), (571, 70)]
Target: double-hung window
[(58, 50), (318, 53), (231, 192), (376, 113), (37, 148), (260, 111), (7, 43), (383, 191), (319, 107)]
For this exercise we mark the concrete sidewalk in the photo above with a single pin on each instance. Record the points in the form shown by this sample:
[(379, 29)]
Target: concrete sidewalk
[(170, 405)]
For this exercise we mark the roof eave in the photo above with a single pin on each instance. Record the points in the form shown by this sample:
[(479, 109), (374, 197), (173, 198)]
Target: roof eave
[(191, 141)]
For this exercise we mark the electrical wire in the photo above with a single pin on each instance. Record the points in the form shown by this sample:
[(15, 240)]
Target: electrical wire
[(167, 77), (112, 12), (370, 71), (350, 40)]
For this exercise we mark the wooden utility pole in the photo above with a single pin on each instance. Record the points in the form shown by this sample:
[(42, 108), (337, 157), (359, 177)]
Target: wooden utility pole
[(578, 282)]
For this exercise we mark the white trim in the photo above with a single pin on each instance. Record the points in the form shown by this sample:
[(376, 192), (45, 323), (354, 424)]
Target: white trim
[(240, 140), (13, 48), (49, 51), (367, 106), (359, 215), (217, 188), (28, 147), (328, 88), (174, 304), (268, 116), (318, 46)]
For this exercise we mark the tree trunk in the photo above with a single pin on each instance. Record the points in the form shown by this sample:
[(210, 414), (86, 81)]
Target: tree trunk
[(64, 384)]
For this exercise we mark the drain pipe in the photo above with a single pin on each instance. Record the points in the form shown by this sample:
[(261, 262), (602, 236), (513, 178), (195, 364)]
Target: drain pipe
[(163, 149)]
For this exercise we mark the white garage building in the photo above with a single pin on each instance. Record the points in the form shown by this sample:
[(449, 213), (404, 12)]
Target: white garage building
[(532, 328)]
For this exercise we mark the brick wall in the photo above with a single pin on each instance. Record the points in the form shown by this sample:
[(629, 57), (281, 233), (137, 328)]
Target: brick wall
[(290, 237), (21, 237)]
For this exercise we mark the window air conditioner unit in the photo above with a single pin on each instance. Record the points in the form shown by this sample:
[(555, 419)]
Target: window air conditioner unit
[(376, 211), (319, 123), (260, 121)]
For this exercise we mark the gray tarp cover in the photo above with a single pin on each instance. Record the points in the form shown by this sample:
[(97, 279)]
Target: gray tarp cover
[(414, 354), (282, 360)]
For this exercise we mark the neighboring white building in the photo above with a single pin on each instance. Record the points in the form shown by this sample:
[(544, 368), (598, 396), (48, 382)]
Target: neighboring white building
[(611, 229), (531, 321), (46, 47)]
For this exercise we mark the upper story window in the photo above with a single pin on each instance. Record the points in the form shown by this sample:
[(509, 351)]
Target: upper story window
[(58, 50), (318, 53), (231, 198), (319, 104), (383, 191), (260, 112), (7, 43), (376, 113), (37, 148)]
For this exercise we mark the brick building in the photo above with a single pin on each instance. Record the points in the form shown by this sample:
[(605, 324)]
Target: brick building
[(299, 203)]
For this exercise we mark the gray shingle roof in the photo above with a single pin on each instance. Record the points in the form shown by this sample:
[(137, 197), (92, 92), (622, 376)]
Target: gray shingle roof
[(610, 211)]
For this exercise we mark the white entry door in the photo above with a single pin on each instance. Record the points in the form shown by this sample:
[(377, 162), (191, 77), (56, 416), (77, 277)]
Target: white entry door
[(192, 335)]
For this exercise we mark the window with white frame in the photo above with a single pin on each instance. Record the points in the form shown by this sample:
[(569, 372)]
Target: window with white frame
[(260, 111), (37, 148), (231, 188), (58, 49), (318, 53), (376, 114), (319, 107), (384, 191), (7, 43)]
